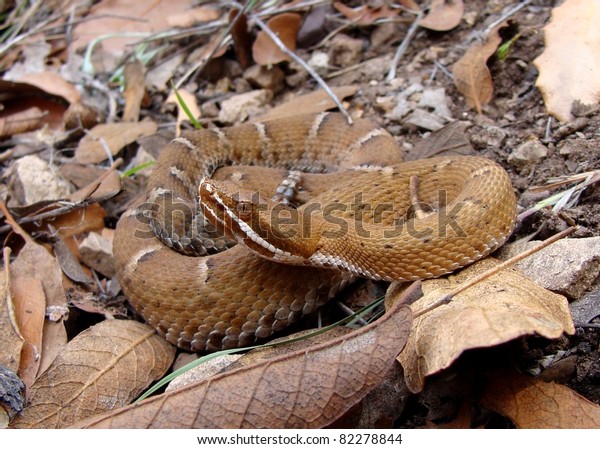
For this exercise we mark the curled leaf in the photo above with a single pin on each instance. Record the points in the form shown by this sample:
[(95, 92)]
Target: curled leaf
[(308, 388), (496, 310), (534, 404), (104, 367)]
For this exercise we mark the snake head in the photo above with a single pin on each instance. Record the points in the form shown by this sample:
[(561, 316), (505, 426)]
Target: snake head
[(248, 218)]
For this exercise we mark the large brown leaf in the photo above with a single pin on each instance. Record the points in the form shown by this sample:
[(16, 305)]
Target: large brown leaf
[(534, 404), (314, 102), (308, 388), (111, 137), (496, 310), (106, 366), (443, 15), (472, 77), (265, 51), (570, 64)]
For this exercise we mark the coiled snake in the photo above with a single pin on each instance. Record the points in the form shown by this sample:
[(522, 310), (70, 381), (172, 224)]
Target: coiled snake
[(356, 217)]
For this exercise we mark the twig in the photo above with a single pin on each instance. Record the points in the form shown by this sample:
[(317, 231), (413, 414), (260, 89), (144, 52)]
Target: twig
[(348, 311), (14, 39), (547, 134), (197, 68), (403, 46), (263, 26), (414, 198), (507, 263), (511, 12)]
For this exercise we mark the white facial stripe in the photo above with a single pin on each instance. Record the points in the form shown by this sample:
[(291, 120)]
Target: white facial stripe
[(250, 233)]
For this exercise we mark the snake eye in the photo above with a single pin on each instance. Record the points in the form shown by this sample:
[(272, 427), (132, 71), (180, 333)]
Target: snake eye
[(244, 210)]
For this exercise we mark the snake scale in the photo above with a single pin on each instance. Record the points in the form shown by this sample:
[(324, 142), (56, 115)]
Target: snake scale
[(355, 217)]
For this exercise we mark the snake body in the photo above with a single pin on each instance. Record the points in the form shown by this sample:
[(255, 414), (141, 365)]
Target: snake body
[(356, 219)]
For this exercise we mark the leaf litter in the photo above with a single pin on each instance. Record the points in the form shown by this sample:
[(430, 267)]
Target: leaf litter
[(494, 88)]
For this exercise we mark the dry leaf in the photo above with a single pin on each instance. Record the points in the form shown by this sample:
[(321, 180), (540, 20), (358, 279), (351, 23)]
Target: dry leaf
[(113, 17), (451, 140), (365, 14), (241, 39), (306, 388), (108, 187), (34, 264), (472, 77), (494, 311), (443, 15), (190, 100), (569, 67), (79, 221), (112, 137), (285, 26), (532, 404), (21, 122), (410, 4), (69, 263), (104, 367), (314, 102), (30, 310), (135, 89), (53, 84), (10, 336), (193, 16)]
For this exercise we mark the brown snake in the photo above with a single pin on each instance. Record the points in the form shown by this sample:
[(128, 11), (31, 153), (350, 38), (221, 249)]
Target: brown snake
[(359, 219)]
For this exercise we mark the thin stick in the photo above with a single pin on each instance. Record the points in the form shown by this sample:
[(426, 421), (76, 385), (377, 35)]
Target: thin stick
[(507, 263), (403, 47), (414, 198), (197, 68), (263, 26), (511, 12)]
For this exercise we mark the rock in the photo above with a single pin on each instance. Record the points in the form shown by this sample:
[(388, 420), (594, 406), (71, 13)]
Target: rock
[(31, 179), (435, 98), (424, 108), (345, 51), (489, 136), (404, 103), (568, 267), (584, 310), (424, 120), (239, 107), (266, 78), (96, 252), (319, 61), (527, 154)]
